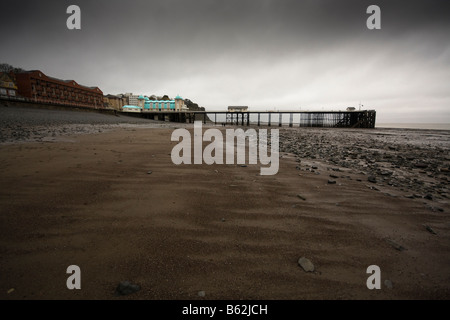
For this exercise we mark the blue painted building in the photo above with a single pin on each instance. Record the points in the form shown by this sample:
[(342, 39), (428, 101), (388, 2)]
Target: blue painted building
[(159, 105), (145, 104)]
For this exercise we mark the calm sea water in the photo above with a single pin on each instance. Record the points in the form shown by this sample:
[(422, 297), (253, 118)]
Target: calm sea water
[(430, 126)]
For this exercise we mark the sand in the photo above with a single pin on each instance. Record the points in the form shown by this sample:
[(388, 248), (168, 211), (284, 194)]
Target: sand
[(90, 201)]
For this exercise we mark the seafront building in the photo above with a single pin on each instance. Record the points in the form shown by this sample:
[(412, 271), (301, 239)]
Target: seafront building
[(7, 86), (131, 99), (38, 87), (145, 104), (237, 108), (115, 102)]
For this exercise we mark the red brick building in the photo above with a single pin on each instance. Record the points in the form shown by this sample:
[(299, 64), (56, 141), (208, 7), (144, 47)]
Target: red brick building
[(39, 87)]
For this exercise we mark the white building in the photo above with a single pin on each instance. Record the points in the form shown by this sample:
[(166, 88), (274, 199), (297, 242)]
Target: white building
[(132, 99)]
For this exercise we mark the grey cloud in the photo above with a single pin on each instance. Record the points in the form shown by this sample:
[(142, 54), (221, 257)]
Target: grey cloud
[(281, 53)]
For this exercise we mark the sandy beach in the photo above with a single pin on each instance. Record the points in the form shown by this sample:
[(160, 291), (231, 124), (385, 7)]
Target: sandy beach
[(112, 202)]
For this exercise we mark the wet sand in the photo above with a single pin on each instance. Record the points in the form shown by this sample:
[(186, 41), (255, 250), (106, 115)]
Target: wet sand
[(222, 229)]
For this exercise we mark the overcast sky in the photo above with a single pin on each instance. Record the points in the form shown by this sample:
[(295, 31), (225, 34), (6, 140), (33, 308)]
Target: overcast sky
[(278, 54)]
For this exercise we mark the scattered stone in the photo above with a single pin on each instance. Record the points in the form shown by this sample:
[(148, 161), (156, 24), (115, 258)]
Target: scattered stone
[(395, 245), (388, 284), (421, 165), (10, 291), (306, 264), (126, 288), (410, 196), (301, 197), (333, 176), (315, 167), (223, 220), (372, 179), (331, 182), (201, 294), (429, 197), (429, 229), (149, 172), (389, 194)]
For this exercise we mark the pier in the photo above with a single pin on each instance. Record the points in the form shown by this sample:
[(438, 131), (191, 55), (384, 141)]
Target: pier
[(331, 119)]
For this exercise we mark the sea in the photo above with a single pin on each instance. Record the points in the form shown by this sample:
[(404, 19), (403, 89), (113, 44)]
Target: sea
[(426, 126)]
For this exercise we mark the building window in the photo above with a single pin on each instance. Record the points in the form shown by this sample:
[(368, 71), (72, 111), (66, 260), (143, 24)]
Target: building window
[(3, 91), (12, 93)]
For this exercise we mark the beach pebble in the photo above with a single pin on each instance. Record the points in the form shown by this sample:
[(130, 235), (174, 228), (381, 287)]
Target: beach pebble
[(388, 284), (201, 294), (301, 197), (395, 245), (306, 264), (125, 288), (429, 229), (149, 172), (372, 179)]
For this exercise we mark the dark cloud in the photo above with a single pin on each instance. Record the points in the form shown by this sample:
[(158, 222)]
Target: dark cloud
[(283, 53)]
